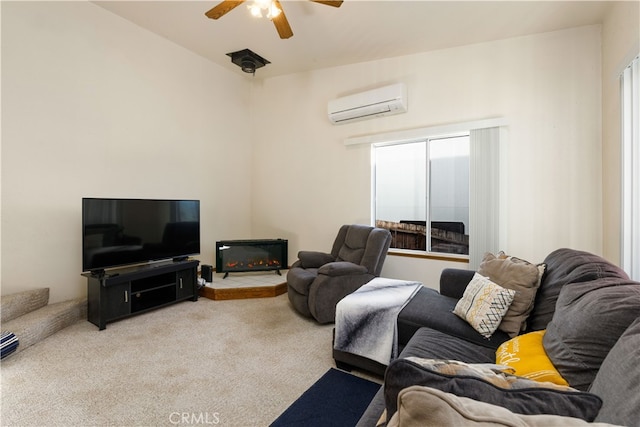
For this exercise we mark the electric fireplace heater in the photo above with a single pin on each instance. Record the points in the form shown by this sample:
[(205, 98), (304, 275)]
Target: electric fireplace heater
[(251, 255)]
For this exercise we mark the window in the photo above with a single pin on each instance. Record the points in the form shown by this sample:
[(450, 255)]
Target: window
[(407, 187), (630, 97), (421, 193)]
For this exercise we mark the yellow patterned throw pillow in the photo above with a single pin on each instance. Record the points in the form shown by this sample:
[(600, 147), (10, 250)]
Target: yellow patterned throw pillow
[(483, 304), (525, 354)]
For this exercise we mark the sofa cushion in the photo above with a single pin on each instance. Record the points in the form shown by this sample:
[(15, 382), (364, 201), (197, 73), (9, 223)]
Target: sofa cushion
[(564, 266), (479, 382), (432, 344), (314, 259), (483, 304), (618, 380), (526, 356), (589, 319), (301, 278), (354, 244), (430, 309), (428, 407), (342, 268), (520, 276)]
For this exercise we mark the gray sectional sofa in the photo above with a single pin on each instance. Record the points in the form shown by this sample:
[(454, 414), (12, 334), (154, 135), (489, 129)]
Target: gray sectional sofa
[(590, 312)]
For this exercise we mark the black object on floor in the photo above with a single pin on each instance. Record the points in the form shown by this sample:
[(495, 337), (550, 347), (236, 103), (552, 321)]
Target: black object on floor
[(336, 399), (8, 344)]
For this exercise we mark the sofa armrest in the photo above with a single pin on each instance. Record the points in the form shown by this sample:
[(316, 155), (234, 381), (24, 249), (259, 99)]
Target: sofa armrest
[(453, 281), (342, 268), (314, 259)]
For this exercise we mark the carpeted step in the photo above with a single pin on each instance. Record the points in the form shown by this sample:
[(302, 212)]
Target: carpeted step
[(15, 305), (43, 322)]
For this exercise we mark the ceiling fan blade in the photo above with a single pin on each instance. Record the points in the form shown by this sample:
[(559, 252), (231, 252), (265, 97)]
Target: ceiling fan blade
[(329, 2), (281, 23), (223, 8)]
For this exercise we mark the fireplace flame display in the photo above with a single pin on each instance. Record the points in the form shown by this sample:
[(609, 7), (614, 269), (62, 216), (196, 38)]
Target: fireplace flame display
[(251, 255), (259, 264)]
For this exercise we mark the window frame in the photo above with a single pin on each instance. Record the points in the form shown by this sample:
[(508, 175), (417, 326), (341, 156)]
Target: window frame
[(426, 252), (500, 124)]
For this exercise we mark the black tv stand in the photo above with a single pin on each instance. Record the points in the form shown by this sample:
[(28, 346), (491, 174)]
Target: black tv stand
[(134, 290), (180, 258), (97, 273)]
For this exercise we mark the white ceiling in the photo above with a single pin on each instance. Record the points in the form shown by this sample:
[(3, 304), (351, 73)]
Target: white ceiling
[(358, 31)]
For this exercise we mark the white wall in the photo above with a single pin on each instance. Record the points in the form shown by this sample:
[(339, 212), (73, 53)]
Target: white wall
[(93, 105), (548, 88), (620, 44)]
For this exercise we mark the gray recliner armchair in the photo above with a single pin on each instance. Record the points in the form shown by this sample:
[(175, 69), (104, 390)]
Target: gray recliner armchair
[(318, 280)]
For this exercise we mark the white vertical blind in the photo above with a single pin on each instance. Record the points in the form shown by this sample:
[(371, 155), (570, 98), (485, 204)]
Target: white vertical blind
[(484, 189), (630, 94)]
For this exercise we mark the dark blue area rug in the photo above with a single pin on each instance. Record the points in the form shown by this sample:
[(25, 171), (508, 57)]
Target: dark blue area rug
[(336, 399)]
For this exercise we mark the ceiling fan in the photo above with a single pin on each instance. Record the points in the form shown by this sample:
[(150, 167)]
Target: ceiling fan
[(275, 13)]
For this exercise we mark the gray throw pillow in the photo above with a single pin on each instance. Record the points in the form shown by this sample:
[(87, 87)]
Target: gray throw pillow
[(589, 318), (429, 407), (565, 267), (618, 380), (518, 275)]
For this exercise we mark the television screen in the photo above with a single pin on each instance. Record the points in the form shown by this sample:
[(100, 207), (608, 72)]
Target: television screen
[(117, 232)]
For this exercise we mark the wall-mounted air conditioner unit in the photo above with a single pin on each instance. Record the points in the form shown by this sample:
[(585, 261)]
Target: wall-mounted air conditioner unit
[(383, 101)]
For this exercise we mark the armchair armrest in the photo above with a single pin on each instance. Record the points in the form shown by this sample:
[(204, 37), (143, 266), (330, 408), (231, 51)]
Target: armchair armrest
[(453, 281), (314, 259), (342, 268)]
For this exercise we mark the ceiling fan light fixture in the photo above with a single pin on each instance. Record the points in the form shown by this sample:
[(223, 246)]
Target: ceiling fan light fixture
[(264, 8), (263, 4), (258, 8), (273, 11), (255, 10)]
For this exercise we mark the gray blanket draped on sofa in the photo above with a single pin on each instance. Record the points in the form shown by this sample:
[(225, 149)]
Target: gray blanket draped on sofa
[(366, 319)]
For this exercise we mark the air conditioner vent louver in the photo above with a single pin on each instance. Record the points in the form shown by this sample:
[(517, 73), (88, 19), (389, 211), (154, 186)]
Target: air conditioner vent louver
[(383, 101)]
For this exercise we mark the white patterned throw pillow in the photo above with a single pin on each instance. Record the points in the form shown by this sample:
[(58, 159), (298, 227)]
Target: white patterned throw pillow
[(484, 304)]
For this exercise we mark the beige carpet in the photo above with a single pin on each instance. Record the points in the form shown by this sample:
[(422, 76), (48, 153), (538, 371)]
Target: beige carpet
[(229, 363)]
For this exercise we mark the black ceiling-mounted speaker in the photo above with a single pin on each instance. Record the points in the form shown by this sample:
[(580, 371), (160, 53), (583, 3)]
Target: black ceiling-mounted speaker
[(247, 60)]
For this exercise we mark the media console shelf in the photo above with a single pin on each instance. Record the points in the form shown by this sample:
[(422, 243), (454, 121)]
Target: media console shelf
[(115, 295)]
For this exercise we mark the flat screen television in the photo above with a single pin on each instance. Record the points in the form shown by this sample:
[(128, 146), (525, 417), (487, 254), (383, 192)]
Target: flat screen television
[(119, 232)]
